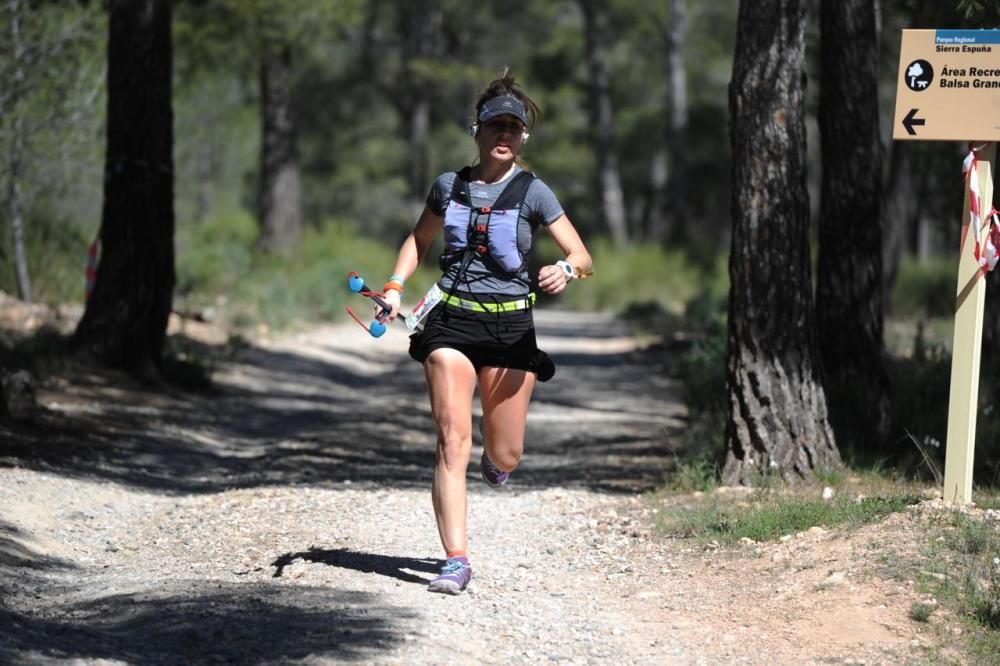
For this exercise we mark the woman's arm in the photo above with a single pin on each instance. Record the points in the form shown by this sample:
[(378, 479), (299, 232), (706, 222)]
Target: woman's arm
[(412, 251), (552, 279)]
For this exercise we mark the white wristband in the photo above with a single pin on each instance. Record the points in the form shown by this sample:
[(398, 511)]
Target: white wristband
[(567, 269)]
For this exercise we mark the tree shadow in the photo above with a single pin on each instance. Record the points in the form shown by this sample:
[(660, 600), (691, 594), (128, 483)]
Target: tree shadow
[(333, 415), (344, 558), (209, 622), (22, 568), (14, 554)]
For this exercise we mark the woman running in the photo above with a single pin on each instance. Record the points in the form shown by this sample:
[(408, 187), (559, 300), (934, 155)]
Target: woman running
[(481, 332)]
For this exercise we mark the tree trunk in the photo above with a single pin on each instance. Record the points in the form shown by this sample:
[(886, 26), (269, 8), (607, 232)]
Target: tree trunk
[(420, 25), (15, 155), (16, 208), (665, 214), (418, 125), (900, 213), (125, 320), (677, 83), (279, 205), (655, 212), (849, 277), (609, 179), (777, 420)]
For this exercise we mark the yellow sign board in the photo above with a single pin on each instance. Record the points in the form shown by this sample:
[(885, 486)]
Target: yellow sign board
[(949, 86)]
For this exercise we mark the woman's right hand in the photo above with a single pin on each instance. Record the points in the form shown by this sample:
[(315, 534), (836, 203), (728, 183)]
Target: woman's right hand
[(392, 298)]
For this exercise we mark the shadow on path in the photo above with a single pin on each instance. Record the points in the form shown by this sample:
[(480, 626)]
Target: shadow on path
[(14, 553), (207, 623), (335, 409), (344, 558)]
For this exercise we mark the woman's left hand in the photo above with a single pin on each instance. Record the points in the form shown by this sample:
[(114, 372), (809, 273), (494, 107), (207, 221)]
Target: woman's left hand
[(551, 279)]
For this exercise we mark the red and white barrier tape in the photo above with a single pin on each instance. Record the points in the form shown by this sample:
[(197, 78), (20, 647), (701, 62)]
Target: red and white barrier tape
[(985, 251), (992, 253), (90, 272)]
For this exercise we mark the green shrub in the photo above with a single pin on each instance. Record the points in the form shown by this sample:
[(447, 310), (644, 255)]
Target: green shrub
[(920, 391), (707, 311), (215, 255), (921, 612), (699, 474), (970, 537), (311, 283), (834, 476), (770, 515), (985, 599), (56, 256), (921, 387), (702, 372), (973, 582), (218, 257), (645, 274), (924, 288)]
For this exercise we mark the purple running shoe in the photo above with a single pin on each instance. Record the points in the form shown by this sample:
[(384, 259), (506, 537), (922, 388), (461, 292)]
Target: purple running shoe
[(455, 576), (492, 475)]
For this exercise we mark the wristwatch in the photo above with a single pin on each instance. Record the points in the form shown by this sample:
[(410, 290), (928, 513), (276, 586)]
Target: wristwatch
[(567, 269)]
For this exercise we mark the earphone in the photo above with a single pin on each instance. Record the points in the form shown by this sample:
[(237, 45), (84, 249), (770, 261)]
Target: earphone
[(474, 131)]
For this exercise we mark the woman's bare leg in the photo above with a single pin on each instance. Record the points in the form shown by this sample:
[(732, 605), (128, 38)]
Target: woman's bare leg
[(451, 382), (505, 394)]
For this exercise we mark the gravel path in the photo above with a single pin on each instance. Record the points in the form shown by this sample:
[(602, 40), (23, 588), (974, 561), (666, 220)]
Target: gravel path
[(286, 517)]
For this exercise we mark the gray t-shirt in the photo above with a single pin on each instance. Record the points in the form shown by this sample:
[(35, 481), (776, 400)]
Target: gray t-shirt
[(489, 276)]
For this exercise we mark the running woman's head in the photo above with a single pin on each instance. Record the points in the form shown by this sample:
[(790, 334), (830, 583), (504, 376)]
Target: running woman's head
[(504, 114)]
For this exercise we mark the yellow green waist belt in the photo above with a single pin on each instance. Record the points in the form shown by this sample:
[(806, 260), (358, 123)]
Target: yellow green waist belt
[(487, 306)]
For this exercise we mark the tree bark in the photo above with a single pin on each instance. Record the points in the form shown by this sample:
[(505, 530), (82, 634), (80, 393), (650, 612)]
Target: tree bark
[(420, 26), (655, 213), (777, 417), (125, 320), (900, 213), (15, 155), (849, 279), (16, 208), (609, 179), (664, 215), (677, 83), (279, 205)]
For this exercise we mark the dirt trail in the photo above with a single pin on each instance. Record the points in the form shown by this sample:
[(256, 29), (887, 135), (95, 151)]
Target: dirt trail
[(286, 517)]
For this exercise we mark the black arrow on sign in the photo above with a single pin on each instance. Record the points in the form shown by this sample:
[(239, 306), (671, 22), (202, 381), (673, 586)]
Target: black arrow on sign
[(910, 120)]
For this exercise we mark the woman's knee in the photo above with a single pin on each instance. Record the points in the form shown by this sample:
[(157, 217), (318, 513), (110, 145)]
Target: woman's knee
[(451, 379), (454, 446), (504, 446), (507, 457)]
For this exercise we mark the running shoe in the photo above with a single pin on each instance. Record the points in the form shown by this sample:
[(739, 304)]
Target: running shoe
[(455, 576), (492, 475)]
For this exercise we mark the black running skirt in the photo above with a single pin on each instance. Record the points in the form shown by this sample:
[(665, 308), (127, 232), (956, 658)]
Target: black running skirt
[(488, 339)]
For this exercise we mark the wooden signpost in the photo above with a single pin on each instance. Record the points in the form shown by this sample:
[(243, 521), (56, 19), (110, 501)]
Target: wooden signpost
[(949, 90)]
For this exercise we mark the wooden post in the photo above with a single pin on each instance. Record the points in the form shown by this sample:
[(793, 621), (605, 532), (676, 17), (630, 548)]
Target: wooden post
[(967, 345)]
